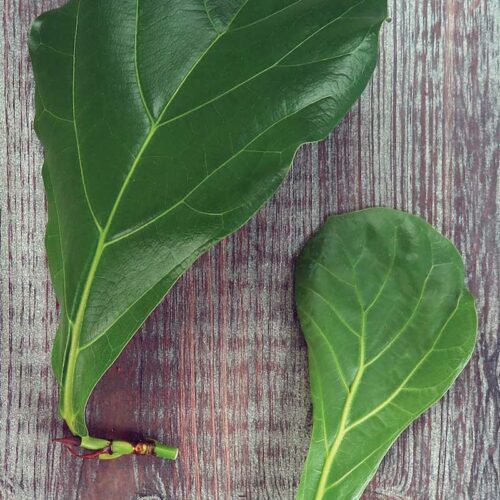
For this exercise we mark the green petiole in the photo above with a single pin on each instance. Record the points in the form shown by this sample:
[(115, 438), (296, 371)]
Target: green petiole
[(105, 449)]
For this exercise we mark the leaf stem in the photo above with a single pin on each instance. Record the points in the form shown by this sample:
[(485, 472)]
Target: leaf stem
[(105, 449)]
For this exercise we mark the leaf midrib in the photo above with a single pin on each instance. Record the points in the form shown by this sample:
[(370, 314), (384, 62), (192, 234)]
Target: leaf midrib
[(343, 428), (158, 123), (389, 400), (180, 202), (76, 327)]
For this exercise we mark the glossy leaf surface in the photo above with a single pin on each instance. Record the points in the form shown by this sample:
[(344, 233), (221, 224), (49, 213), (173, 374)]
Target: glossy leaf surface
[(389, 325), (166, 125)]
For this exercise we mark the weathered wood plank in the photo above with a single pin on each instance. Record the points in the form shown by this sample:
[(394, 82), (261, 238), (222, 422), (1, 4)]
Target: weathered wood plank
[(220, 367)]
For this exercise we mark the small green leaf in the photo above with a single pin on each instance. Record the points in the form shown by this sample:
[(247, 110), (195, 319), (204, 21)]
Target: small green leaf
[(166, 124), (389, 325)]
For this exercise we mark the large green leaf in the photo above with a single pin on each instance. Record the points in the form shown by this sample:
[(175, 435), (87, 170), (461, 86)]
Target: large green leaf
[(166, 125), (389, 325)]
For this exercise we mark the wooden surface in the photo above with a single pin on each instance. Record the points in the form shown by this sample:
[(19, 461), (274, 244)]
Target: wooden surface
[(220, 367)]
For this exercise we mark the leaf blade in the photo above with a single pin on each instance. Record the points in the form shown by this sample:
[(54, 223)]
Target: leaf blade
[(400, 266), (153, 159)]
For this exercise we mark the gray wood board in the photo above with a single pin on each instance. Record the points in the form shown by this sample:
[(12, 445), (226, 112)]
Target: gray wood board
[(220, 367)]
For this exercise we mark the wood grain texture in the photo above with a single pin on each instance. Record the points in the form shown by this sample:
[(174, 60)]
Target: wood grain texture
[(220, 367)]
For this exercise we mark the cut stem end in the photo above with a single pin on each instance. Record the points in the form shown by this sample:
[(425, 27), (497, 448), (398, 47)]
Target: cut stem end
[(105, 449)]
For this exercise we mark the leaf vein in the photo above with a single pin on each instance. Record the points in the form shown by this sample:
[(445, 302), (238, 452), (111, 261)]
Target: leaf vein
[(209, 16), (136, 65), (330, 272), (330, 346), (408, 321), (77, 140), (388, 400), (321, 399), (56, 117), (260, 73), (359, 464), (132, 231), (332, 307), (262, 19), (389, 271), (333, 58)]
